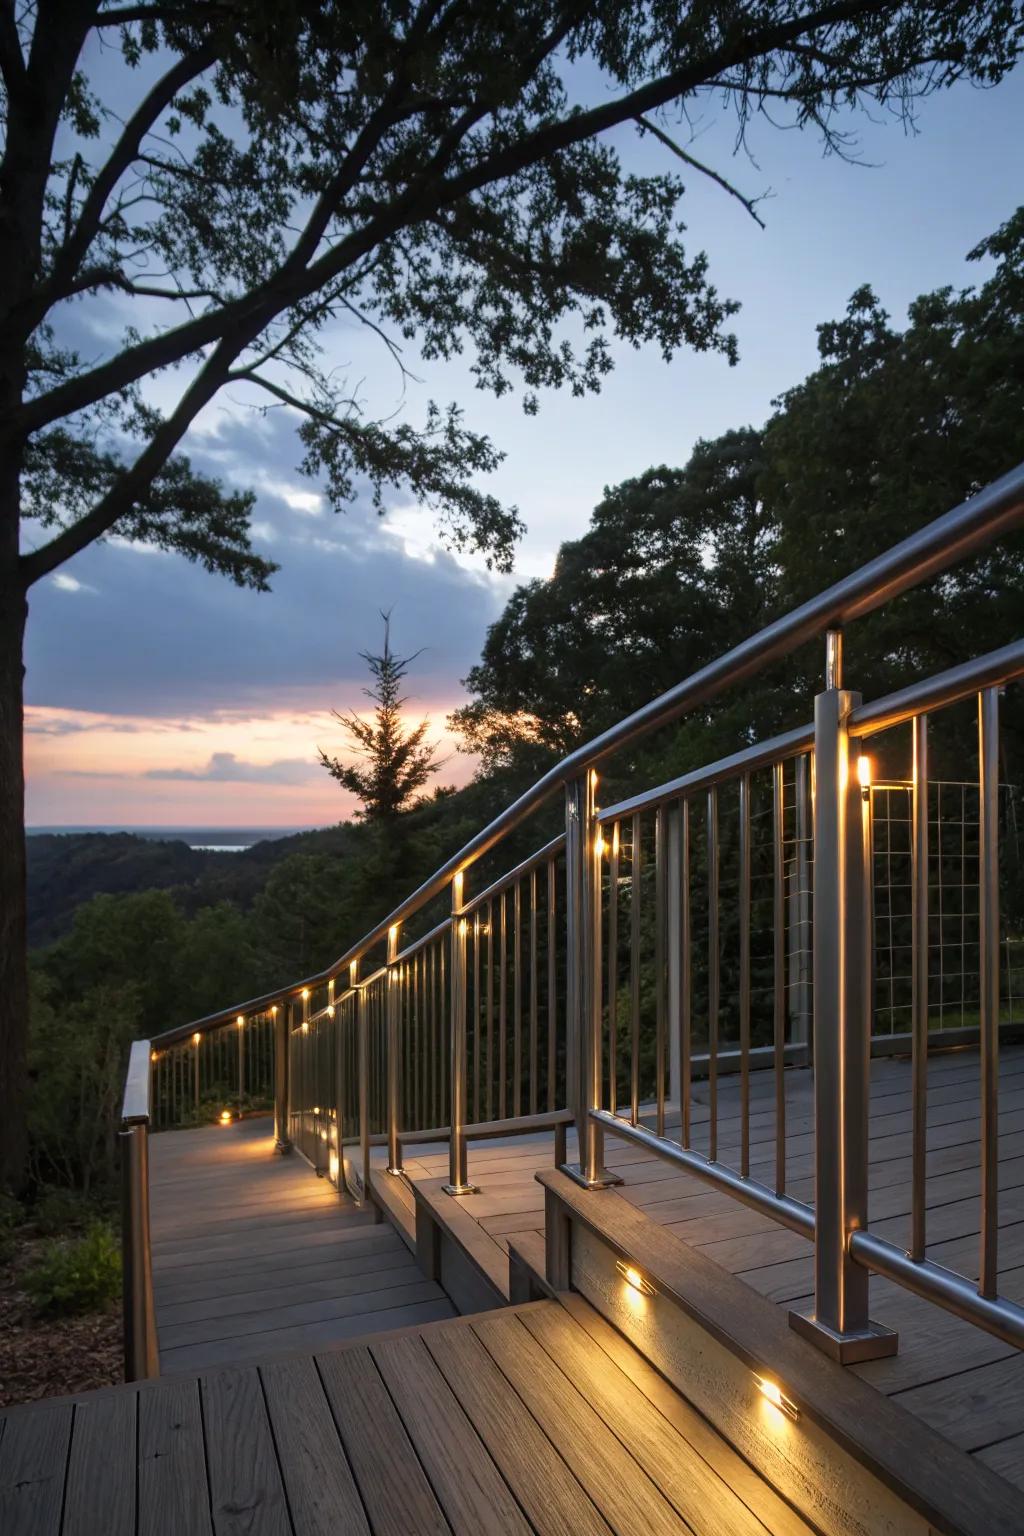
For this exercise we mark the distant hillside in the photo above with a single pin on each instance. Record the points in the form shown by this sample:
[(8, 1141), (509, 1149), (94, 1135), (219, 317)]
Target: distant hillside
[(68, 868)]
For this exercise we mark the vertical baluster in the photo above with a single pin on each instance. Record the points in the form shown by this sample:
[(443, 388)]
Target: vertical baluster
[(476, 1015), (779, 974), (489, 1016), (635, 876), (583, 977), (517, 1000), (713, 973), (197, 1041), (240, 1026), (660, 962), (394, 1022), (919, 984), (533, 992), (685, 973), (613, 971), (744, 898), (552, 992), (502, 1006), (443, 1014), (434, 1116), (363, 1069), (988, 945), (458, 1159), (282, 1108)]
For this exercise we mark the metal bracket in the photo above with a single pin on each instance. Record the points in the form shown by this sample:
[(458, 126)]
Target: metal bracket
[(604, 1180), (875, 1342)]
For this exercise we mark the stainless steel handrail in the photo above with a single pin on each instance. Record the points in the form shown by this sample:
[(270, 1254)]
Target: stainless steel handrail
[(141, 1351), (932, 549)]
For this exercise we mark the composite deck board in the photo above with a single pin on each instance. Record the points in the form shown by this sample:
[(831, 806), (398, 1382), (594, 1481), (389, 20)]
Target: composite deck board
[(254, 1255), (943, 1362), (465, 1427)]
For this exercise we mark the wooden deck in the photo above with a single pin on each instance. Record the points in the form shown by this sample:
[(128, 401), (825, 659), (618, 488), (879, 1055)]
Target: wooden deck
[(961, 1381), (252, 1254), (535, 1419)]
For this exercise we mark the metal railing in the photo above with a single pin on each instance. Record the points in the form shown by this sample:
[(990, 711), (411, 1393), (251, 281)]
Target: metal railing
[(617, 974), (141, 1353)]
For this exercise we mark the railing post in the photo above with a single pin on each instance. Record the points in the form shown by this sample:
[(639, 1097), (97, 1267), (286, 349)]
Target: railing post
[(394, 1007), (363, 1020), (141, 1351), (458, 1155), (842, 949), (583, 980), (282, 1140)]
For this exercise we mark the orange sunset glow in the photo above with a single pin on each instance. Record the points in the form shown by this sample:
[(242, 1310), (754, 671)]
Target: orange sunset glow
[(227, 770)]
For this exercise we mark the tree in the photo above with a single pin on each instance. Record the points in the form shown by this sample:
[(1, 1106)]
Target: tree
[(892, 429), (397, 761), (676, 566), (219, 182)]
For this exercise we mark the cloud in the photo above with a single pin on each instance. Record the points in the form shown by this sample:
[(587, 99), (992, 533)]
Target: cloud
[(67, 583), (226, 768), (169, 639)]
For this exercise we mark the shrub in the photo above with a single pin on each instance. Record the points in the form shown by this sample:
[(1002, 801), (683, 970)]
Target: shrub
[(80, 1275), (59, 1212)]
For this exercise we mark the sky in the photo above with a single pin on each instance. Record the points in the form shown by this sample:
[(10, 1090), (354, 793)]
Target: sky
[(159, 695)]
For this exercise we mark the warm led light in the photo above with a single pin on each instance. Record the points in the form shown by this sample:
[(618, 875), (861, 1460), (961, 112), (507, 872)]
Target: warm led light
[(634, 1278), (240, 1021), (196, 1038), (778, 1399), (305, 1026), (154, 1055), (305, 993), (599, 845), (330, 1010), (334, 1166), (463, 927), (316, 1109), (274, 1008), (225, 1117), (864, 771)]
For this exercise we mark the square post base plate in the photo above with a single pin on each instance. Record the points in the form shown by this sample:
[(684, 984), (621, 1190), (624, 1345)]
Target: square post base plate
[(604, 1180), (874, 1342)]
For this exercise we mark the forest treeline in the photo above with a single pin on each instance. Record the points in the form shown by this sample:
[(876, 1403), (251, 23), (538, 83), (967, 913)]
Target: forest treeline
[(894, 426)]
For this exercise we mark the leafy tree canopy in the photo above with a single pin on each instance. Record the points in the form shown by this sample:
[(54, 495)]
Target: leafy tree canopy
[(895, 427), (241, 176)]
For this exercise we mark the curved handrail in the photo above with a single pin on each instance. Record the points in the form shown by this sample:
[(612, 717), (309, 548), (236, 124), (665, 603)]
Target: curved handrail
[(945, 542)]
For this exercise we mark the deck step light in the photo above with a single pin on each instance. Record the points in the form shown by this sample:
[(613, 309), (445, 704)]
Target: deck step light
[(634, 1278), (225, 1117), (778, 1399)]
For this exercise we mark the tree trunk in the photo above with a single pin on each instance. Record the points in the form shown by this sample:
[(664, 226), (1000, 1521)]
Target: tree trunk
[(13, 965)]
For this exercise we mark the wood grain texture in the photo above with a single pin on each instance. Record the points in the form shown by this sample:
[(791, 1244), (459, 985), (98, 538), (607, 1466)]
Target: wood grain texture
[(471, 1490), (246, 1492), (394, 1488), (322, 1495), (173, 1493), (33, 1463), (552, 1499), (100, 1492), (596, 1458)]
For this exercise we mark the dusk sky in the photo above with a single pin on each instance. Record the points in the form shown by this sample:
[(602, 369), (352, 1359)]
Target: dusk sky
[(162, 696)]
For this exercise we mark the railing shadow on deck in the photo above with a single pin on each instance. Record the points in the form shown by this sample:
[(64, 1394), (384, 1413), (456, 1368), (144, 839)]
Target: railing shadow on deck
[(731, 920)]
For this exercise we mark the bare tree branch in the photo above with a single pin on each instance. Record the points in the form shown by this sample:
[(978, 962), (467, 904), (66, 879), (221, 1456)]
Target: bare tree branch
[(705, 170)]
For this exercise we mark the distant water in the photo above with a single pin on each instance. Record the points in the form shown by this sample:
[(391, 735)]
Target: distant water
[(199, 839)]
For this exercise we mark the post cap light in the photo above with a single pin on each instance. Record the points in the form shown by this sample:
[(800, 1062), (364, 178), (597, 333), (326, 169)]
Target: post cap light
[(864, 771), (196, 1038), (305, 993), (240, 1021)]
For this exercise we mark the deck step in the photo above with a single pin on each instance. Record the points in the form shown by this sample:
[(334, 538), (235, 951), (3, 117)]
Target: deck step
[(534, 1418)]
